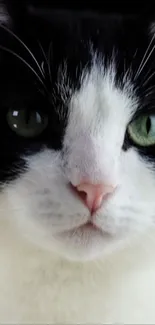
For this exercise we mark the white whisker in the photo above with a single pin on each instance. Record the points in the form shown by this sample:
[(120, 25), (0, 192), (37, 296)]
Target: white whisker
[(148, 79), (24, 45), (49, 53), (47, 61), (145, 58), (25, 62)]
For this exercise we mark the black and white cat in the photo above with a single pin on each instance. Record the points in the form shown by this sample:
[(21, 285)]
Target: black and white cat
[(77, 165)]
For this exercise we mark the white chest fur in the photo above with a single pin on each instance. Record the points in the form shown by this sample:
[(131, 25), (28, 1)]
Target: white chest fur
[(36, 287)]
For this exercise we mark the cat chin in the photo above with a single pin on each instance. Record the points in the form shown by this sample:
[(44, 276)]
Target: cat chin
[(85, 244), (88, 242)]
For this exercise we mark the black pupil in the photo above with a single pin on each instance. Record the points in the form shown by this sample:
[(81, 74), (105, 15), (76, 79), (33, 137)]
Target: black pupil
[(148, 125), (27, 116)]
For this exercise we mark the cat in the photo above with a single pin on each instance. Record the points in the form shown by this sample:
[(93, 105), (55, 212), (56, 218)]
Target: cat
[(77, 160)]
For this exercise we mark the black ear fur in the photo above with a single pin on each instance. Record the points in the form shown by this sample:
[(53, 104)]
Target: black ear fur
[(22, 13), (19, 8), (4, 15)]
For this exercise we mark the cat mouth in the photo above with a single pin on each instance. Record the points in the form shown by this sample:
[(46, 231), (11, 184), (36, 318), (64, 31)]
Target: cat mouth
[(88, 227), (87, 232)]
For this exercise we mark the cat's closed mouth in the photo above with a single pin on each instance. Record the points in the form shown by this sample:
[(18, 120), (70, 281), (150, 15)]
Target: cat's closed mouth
[(88, 227)]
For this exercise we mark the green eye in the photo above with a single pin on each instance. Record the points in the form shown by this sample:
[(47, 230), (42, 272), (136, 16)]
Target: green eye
[(142, 130), (26, 123)]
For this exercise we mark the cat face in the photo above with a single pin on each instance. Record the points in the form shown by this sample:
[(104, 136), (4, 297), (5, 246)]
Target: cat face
[(78, 129)]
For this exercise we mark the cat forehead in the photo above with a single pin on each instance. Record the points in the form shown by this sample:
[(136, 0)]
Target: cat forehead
[(101, 56), (100, 103)]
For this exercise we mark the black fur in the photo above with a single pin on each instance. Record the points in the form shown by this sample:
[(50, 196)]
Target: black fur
[(65, 35)]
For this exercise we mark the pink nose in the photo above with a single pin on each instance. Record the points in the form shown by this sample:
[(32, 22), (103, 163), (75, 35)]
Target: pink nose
[(93, 195)]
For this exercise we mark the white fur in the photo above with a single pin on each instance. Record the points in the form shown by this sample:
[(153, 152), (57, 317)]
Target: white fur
[(51, 272)]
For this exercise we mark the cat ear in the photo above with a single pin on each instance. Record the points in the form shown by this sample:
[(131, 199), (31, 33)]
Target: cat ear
[(4, 14), (152, 28), (14, 12)]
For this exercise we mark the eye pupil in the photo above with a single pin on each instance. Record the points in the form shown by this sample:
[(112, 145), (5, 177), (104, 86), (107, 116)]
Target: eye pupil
[(27, 117), (27, 123), (142, 130), (148, 125)]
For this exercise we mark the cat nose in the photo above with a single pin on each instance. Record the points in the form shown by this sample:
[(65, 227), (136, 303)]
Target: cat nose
[(93, 195)]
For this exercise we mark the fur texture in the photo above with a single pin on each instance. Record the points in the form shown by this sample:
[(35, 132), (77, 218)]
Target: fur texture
[(89, 77)]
